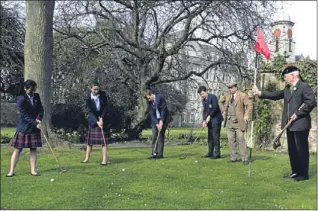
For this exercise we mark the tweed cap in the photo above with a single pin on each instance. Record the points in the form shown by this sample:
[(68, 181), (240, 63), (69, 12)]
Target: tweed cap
[(231, 84)]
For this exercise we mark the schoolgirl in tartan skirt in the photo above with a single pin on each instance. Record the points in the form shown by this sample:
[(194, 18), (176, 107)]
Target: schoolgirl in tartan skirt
[(28, 133), (96, 107)]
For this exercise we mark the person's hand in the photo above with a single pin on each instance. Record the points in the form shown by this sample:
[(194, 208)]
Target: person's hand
[(204, 124), (160, 125), (293, 117), (208, 119), (256, 92), (38, 126), (101, 120), (246, 118), (100, 124), (38, 121)]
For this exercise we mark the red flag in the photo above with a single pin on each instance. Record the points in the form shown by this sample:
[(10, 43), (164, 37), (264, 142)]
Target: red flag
[(261, 45)]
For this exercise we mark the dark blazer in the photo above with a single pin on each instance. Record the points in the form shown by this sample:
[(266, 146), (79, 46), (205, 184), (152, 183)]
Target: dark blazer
[(28, 113), (211, 108), (292, 101), (161, 104), (93, 114)]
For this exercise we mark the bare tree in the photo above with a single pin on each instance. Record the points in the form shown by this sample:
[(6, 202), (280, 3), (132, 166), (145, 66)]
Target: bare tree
[(38, 49), (144, 38)]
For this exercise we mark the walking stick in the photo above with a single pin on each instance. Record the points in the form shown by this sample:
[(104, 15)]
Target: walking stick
[(186, 154), (61, 169), (277, 142)]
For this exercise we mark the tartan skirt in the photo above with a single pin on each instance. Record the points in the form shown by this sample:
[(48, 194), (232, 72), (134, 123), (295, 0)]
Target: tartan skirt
[(95, 136), (26, 140)]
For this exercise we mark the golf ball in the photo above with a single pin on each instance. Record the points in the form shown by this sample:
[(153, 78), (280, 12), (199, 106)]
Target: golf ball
[(123, 170), (196, 161), (52, 180)]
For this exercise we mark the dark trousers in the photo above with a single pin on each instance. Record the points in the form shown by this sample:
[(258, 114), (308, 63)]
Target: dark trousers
[(161, 140), (214, 131), (298, 150)]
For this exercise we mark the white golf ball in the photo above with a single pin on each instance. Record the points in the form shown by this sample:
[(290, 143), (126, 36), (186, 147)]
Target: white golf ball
[(123, 170), (52, 180), (196, 161)]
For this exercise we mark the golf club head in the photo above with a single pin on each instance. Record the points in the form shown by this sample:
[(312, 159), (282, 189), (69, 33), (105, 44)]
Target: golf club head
[(185, 156), (276, 144)]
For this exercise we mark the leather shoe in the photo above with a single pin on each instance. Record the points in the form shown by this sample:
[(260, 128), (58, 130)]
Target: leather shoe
[(35, 175), (215, 157), (207, 156), (158, 157), (103, 164), (233, 161), (301, 178), (290, 176), (246, 162), (9, 175), (152, 157)]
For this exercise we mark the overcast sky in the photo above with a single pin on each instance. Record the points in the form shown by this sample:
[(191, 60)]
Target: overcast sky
[(304, 15)]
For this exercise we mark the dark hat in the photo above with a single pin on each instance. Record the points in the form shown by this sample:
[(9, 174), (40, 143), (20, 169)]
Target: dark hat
[(289, 69), (231, 84)]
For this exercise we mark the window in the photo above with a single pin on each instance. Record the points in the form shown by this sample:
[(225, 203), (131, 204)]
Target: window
[(207, 75), (290, 45), (277, 47)]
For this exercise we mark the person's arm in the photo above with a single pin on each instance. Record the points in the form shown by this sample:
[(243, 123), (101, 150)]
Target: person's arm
[(21, 103), (89, 110), (277, 95), (215, 106), (40, 107), (309, 102)]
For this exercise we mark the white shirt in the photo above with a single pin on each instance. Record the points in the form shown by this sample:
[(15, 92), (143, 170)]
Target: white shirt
[(157, 111), (96, 100)]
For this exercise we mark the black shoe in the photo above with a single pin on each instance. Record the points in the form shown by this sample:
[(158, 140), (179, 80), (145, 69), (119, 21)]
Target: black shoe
[(103, 164), (207, 156), (301, 178), (158, 157), (152, 157), (215, 157), (290, 176), (233, 161), (246, 162)]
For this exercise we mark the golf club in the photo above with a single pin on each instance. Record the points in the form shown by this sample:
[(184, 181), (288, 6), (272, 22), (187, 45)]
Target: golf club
[(61, 169), (105, 145), (186, 154), (155, 146)]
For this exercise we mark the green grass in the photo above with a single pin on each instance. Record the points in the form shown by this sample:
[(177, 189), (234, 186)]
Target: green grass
[(8, 131), (170, 183), (175, 132)]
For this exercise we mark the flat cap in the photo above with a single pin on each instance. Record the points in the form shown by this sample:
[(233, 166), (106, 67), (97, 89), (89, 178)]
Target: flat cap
[(231, 84), (289, 69)]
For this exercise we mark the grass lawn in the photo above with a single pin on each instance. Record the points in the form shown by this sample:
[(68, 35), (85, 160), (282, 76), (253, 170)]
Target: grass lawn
[(175, 132), (8, 131), (132, 181)]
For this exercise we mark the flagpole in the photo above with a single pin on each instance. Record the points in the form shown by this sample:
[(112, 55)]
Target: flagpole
[(253, 117)]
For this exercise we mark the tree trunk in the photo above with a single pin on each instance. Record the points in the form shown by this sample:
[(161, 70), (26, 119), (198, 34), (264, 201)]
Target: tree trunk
[(38, 51)]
